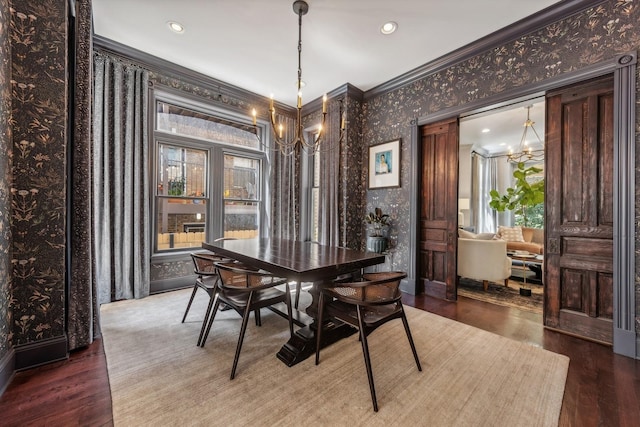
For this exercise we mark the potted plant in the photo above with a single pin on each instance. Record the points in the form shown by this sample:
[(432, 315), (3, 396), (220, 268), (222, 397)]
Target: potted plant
[(523, 196), (376, 240), (176, 186)]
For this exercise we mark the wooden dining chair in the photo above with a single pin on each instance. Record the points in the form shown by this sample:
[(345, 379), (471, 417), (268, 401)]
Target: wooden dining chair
[(246, 290), (206, 276), (365, 305)]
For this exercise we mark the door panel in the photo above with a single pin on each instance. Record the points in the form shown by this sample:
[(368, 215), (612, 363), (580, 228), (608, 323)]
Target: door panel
[(579, 210), (438, 209)]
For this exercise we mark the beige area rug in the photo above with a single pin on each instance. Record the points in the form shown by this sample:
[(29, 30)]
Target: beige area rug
[(159, 377)]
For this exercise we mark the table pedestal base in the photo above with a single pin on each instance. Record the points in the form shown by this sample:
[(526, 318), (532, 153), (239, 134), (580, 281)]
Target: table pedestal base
[(303, 342)]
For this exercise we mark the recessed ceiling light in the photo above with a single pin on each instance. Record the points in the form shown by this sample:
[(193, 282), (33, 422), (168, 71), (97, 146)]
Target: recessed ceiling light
[(486, 130), (176, 27), (388, 27)]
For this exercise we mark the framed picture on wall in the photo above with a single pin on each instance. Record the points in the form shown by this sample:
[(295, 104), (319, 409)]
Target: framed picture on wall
[(384, 165)]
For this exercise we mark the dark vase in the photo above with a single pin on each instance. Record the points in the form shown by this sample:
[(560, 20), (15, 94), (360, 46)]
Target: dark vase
[(376, 244)]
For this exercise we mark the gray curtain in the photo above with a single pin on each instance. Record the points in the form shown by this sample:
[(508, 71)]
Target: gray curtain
[(121, 180), (488, 173), (284, 188), (483, 180), (330, 195), (82, 314)]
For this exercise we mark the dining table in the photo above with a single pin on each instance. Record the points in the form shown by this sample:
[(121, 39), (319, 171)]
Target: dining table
[(299, 261)]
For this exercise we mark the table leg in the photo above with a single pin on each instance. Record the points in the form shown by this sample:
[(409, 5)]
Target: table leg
[(303, 343)]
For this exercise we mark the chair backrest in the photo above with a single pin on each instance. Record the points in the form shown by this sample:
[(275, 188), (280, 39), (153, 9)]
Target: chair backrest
[(237, 276), (204, 264), (375, 289)]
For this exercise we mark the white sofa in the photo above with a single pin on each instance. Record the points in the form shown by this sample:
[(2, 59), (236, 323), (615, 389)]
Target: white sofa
[(484, 260)]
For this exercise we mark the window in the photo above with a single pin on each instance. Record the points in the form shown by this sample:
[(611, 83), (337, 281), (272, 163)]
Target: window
[(208, 181), (315, 199), (241, 197)]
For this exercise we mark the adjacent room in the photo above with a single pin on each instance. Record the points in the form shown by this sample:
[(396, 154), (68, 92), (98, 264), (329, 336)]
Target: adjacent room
[(501, 198)]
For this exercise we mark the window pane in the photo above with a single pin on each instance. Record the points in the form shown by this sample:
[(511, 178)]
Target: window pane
[(315, 214), (181, 171), (241, 191), (316, 170), (241, 219), (183, 121), (241, 178), (181, 223)]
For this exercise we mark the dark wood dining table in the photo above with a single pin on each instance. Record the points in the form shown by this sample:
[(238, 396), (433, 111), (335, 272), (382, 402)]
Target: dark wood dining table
[(300, 262)]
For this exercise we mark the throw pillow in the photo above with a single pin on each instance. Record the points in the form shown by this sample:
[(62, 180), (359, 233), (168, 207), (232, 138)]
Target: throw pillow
[(466, 234), (511, 234)]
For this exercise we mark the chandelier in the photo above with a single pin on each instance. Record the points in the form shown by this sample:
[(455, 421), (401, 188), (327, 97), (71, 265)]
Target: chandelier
[(300, 7), (525, 152)]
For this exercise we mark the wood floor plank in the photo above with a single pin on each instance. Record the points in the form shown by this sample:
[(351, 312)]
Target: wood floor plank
[(602, 389)]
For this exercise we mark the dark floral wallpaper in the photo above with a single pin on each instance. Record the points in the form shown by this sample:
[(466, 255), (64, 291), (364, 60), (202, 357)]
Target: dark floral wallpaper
[(589, 37), (5, 180), (39, 118)]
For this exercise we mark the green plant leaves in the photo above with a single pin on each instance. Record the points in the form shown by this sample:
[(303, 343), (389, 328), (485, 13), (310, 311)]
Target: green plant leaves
[(524, 194)]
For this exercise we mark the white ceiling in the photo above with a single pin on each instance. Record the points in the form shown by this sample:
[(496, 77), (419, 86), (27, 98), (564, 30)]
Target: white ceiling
[(252, 44), (506, 127)]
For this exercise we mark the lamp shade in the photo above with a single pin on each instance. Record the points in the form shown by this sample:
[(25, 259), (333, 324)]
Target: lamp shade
[(463, 204)]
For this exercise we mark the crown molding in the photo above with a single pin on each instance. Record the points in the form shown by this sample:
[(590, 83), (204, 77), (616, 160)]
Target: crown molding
[(164, 67), (498, 38)]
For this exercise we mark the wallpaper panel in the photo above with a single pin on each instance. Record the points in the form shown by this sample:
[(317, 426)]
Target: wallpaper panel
[(597, 34), (39, 114), (5, 180)]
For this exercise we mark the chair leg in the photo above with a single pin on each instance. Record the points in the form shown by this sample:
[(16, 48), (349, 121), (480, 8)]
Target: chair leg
[(258, 318), (298, 289), (209, 322), (243, 328), (367, 359), (289, 311), (193, 294), (207, 314), (408, 331), (319, 325)]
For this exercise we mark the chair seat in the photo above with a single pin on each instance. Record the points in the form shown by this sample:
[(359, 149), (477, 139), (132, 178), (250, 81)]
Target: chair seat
[(208, 282), (372, 315), (262, 298)]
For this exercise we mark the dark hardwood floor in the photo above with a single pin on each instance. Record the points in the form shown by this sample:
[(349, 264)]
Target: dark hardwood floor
[(602, 389)]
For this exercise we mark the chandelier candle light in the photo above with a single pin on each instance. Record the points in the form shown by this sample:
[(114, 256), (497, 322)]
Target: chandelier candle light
[(300, 7)]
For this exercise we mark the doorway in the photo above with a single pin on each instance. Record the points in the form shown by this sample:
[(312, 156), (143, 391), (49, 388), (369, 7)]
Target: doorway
[(492, 144), (623, 68)]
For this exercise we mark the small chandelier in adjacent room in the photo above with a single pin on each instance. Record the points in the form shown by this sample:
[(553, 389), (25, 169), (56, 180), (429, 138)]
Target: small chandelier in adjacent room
[(300, 7), (525, 152)]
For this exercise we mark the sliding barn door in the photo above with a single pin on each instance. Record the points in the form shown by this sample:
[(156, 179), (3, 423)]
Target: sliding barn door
[(439, 209), (579, 210)]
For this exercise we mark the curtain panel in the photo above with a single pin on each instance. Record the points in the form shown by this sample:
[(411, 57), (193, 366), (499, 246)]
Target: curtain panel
[(483, 180), (330, 192), (284, 183), (121, 180)]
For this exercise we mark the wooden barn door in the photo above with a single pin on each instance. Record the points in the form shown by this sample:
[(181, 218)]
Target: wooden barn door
[(579, 210), (439, 209)]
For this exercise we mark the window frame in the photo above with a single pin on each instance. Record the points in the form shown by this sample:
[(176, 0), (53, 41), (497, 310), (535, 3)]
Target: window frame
[(215, 152)]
